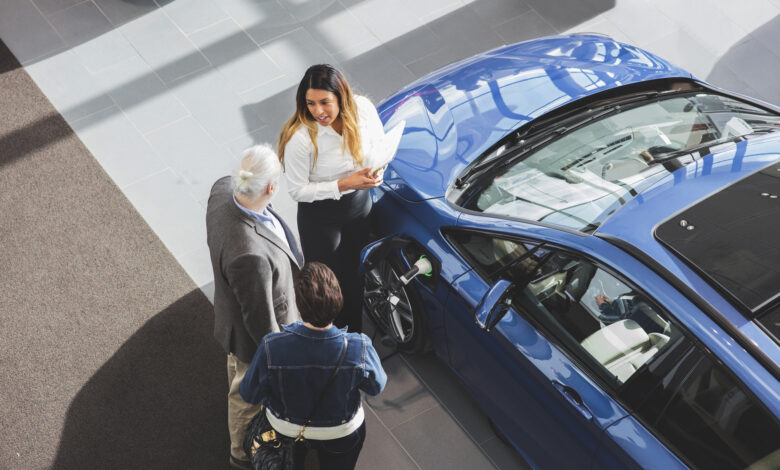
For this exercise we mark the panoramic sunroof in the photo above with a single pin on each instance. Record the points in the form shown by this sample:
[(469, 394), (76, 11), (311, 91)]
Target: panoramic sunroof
[(732, 238)]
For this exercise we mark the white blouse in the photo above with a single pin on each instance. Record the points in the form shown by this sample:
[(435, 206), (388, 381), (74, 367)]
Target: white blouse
[(306, 184)]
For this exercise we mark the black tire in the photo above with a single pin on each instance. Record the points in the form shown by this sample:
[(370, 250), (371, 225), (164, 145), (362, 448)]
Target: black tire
[(401, 320)]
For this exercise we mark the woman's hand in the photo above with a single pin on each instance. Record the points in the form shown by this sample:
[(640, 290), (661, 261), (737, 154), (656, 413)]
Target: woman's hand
[(362, 179)]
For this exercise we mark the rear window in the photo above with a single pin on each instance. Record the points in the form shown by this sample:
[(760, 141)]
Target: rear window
[(731, 239)]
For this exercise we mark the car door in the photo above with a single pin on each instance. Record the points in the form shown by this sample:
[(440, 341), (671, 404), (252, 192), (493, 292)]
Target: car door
[(543, 360), (692, 401)]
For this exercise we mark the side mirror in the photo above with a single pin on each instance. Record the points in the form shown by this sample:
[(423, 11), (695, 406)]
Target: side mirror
[(493, 305)]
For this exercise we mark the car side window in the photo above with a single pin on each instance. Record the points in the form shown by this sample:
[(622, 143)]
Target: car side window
[(707, 415), (493, 255), (593, 313), (596, 315)]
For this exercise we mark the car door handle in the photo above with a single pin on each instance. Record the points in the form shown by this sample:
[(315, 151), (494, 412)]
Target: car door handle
[(574, 398)]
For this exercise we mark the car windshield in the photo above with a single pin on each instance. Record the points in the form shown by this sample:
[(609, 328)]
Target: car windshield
[(578, 180)]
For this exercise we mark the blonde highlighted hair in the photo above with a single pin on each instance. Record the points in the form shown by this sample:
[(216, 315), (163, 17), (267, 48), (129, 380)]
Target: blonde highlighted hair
[(324, 77)]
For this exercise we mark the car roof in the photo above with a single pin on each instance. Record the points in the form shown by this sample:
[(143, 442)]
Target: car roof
[(635, 225), (454, 114), (636, 221)]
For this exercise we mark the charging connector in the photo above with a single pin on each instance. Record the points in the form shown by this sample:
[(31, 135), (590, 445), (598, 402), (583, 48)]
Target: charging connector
[(421, 267)]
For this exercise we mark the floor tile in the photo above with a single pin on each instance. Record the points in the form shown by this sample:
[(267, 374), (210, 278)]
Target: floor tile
[(104, 51), (378, 72), (503, 455), (188, 150), (310, 9), (412, 46), (237, 146), (466, 30), (601, 25), (769, 35), (193, 15), (381, 448), (197, 264), (80, 23), (141, 94), (274, 101), (452, 396), (654, 26), (528, 25), (339, 31), (462, 34), (757, 66), (163, 201), (434, 442), (565, 14), (403, 398), (240, 60), (750, 18), (50, 6), (208, 291), (119, 148), (262, 20), (729, 32), (221, 112), (384, 19), (120, 12), (26, 32), (294, 52), (163, 46), (69, 86), (498, 11), (681, 49), (429, 10), (723, 76)]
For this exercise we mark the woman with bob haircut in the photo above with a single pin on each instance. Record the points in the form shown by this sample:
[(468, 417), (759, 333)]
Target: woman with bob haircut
[(322, 148), (291, 369)]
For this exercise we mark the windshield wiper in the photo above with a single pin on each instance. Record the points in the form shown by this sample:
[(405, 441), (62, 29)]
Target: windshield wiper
[(666, 157)]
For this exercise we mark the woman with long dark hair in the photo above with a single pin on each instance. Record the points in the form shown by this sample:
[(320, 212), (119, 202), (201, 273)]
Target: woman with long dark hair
[(322, 148)]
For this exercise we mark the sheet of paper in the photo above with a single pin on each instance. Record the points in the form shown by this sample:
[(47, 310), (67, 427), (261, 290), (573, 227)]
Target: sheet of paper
[(384, 151)]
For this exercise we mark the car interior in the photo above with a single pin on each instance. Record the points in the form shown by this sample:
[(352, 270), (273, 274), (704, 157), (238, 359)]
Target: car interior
[(622, 334), (597, 313)]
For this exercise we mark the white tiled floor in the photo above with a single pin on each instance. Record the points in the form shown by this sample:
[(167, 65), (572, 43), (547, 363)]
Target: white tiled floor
[(166, 93)]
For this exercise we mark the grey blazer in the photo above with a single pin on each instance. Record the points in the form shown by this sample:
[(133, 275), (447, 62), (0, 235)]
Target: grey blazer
[(253, 274)]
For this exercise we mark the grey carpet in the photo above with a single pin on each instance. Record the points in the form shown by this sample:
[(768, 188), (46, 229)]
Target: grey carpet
[(106, 353)]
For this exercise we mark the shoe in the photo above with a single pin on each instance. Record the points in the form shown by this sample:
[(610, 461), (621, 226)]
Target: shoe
[(237, 463)]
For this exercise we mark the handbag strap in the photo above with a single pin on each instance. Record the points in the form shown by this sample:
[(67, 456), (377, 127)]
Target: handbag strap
[(327, 385)]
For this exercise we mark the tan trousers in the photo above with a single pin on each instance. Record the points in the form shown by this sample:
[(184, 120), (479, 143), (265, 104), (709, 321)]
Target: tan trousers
[(240, 413)]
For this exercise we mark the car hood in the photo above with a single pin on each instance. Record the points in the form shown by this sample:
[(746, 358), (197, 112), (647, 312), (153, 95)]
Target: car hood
[(454, 114)]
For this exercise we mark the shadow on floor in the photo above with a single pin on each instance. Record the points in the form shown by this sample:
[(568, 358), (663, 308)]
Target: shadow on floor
[(751, 67), (159, 402)]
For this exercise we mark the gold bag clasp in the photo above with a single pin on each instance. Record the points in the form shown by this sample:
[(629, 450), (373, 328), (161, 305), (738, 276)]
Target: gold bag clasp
[(268, 436)]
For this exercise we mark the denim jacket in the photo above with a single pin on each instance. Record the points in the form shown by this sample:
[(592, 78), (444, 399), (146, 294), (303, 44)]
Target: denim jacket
[(291, 368)]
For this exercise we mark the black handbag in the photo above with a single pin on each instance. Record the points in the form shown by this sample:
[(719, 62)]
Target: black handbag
[(270, 450)]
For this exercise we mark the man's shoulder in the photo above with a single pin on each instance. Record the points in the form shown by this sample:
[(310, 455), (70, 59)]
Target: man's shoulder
[(222, 186)]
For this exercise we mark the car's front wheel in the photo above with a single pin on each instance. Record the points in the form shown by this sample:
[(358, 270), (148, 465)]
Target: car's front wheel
[(393, 307)]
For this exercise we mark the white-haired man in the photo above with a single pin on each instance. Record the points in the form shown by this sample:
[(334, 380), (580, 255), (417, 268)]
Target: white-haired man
[(254, 256)]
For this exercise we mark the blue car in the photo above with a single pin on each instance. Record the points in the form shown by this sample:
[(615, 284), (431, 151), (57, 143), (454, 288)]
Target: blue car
[(589, 237)]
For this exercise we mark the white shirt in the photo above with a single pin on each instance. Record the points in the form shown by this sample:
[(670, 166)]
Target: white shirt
[(306, 184)]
